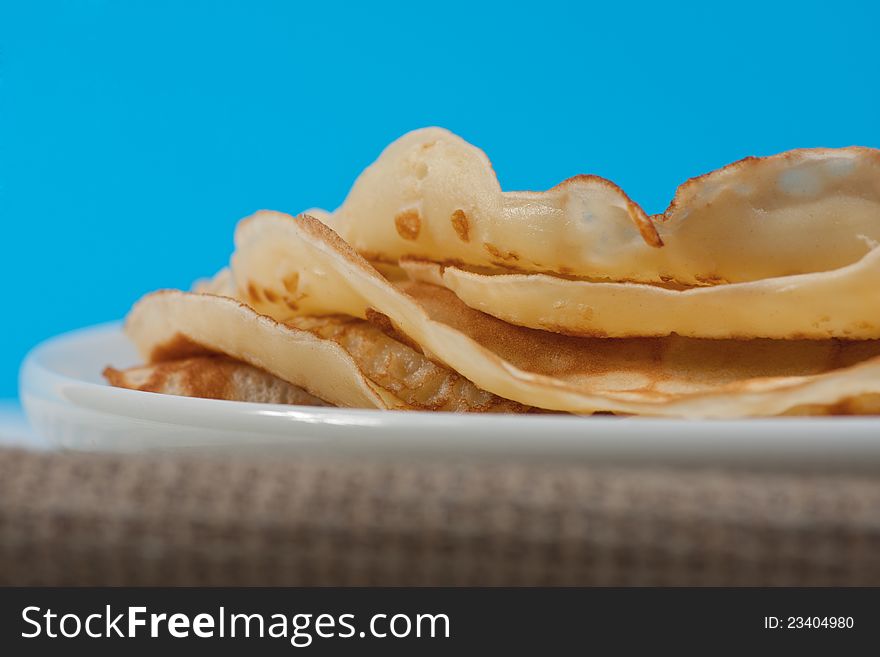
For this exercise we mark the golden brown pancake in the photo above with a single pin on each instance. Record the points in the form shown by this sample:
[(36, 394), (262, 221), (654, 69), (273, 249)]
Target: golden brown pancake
[(844, 303), (432, 196), (345, 361), (211, 377)]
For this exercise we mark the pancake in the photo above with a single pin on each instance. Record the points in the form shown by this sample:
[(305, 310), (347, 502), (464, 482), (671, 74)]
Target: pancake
[(432, 196), (347, 362), (211, 377), (844, 303)]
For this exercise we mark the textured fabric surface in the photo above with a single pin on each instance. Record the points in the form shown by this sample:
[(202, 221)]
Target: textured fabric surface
[(116, 520)]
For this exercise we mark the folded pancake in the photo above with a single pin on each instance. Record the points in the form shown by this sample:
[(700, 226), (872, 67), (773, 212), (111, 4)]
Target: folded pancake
[(344, 361), (287, 267), (169, 325), (211, 377), (432, 196), (844, 303)]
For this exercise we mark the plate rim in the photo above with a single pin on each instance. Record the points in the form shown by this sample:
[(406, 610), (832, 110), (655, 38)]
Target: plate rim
[(792, 440), (34, 363)]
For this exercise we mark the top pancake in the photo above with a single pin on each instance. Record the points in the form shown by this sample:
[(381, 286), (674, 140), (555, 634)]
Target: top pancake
[(432, 196)]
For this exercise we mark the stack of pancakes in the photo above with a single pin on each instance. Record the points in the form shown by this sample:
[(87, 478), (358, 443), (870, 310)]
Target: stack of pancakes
[(756, 293)]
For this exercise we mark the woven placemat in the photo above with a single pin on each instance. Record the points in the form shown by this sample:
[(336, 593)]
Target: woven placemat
[(82, 519)]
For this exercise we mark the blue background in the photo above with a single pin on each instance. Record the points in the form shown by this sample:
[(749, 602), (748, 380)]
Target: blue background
[(133, 135)]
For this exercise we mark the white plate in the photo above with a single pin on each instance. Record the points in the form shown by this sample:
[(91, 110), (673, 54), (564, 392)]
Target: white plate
[(14, 428), (70, 406)]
